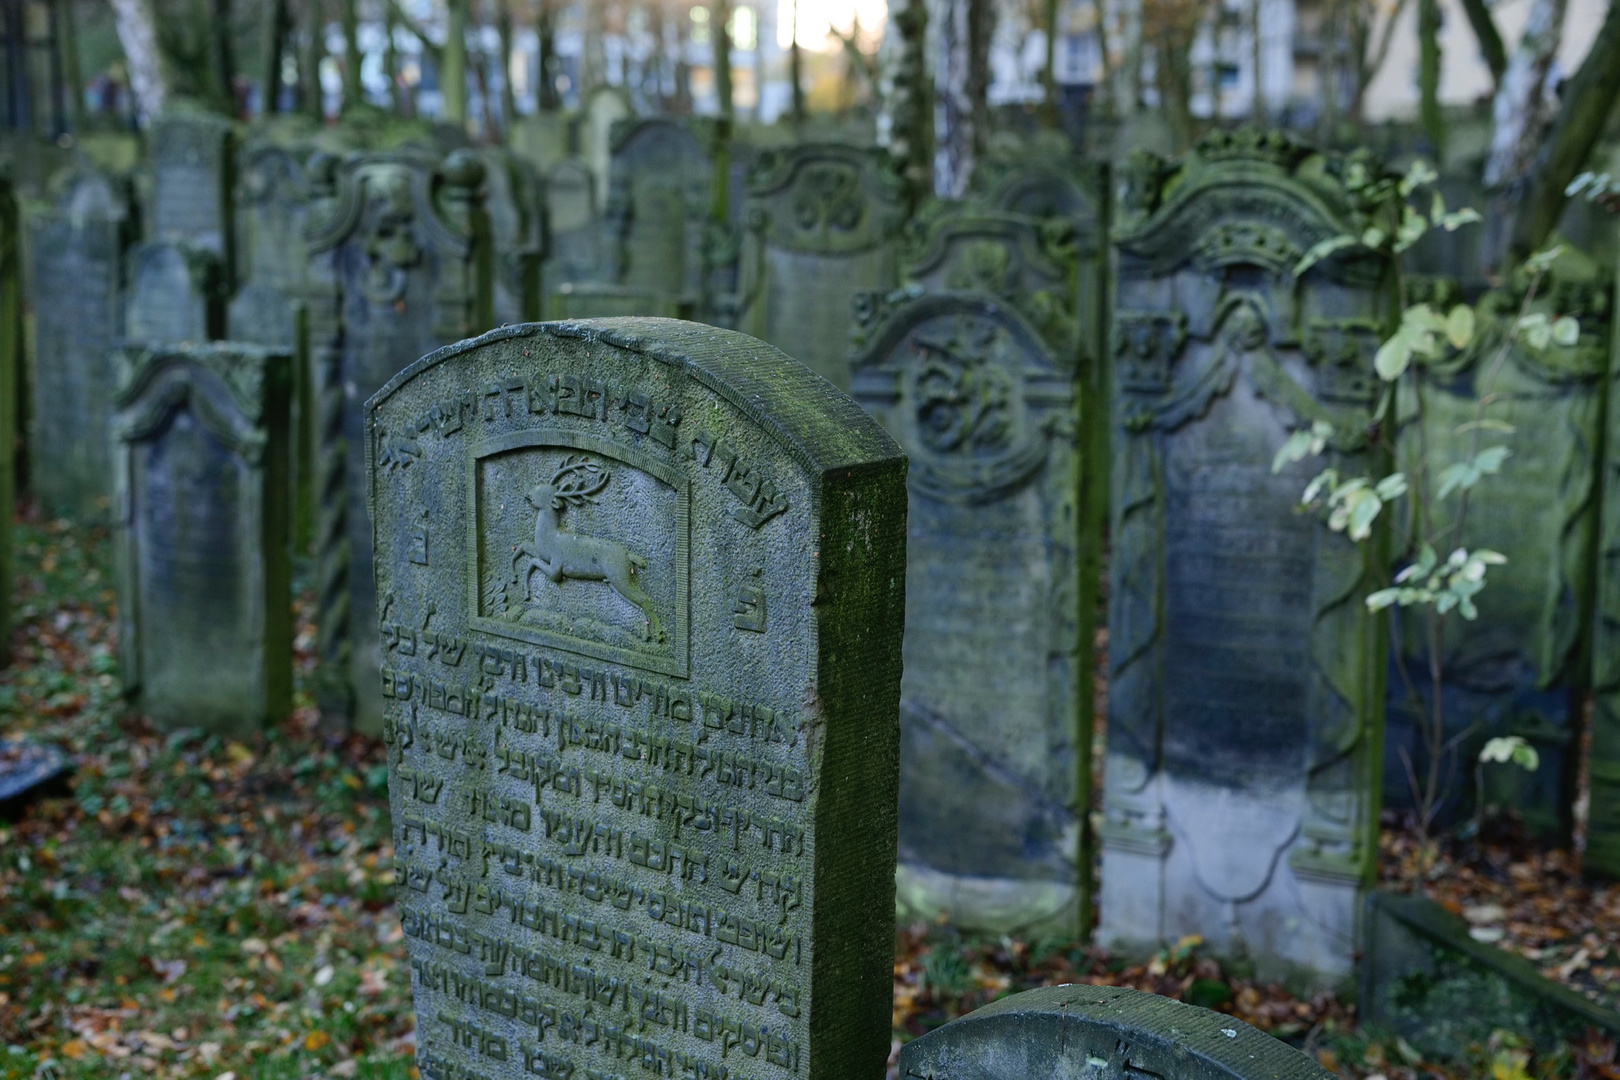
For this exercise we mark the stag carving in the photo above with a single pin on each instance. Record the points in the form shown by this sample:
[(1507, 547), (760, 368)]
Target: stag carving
[(558, 553)]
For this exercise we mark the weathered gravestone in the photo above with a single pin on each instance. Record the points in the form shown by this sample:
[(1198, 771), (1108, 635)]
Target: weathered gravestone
[(822, 224), (514, 201), (604, 109), (192, 161), (1079, 1032), (272, 211), (205, 608), (990, 406), (542, 138), (662, 196), (1602, 856), (77, 253), (576, 229), (642, 612), (1519, 668), (1245, 695), (399, 267), (11, 357), (174, 293)]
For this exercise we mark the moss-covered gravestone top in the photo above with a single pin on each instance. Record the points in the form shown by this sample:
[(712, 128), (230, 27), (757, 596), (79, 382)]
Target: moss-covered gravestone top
[(204, 610), (1245, 696), (1101, 1033), (641, 597), (822, 221), (77, 263), (400, 265), (991, 408)]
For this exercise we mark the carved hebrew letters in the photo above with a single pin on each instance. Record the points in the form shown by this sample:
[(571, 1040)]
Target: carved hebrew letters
[(639, 830)]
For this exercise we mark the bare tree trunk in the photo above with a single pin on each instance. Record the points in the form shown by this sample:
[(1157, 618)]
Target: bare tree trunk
[(1128, 94), (396, 92), (545, 26), (1049, 91), (275, 38), (593, 66), (1370, 64), (71, 71), (453, 68), (353, 90), (720, 38), (150, 80), (1489, 38), (1520, 107), (1434, 125), (961, 86), (796, 69), (1257, 109), (1107, 80), (503, 28), (1588, 101), (908, 98), (312, 97)]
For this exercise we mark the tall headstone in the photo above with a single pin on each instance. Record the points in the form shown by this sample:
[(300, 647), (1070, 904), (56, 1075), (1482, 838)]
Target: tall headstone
[(542, 138), (1602, 857), (662, 196), (642, 613), (205, 605), (174, 293), (1078, 1032), (514, 200), (76, 279), (575, 251), (822, 223), (605, 107), (11, 358), (400, 266), (192, 161), (1519, 667), (991, 407), (272, 211), (1245, 697)]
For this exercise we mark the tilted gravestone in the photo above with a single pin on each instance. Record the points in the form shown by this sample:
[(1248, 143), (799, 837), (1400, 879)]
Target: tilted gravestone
[(205, 605), (1080, 1032), (76, 279), (514, 200), (661, 200), (400, 266), (1245, 702), (641, 590), (1519, 667), (11, 357), (576, 228), (192, 162), (174, 293), (996, 724), (1602, 856), (822, 224)]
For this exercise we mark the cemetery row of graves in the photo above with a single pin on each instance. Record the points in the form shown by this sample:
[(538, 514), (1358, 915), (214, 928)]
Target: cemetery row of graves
[(633, 605)]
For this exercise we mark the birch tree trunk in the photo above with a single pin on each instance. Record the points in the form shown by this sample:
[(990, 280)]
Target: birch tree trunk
[(149, 77), (961, 86), (453, 71), (1521, 108)]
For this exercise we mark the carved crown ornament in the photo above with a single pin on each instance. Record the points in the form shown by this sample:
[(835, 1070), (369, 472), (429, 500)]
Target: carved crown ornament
[(150, 383), (1268, 196), (825, 198)]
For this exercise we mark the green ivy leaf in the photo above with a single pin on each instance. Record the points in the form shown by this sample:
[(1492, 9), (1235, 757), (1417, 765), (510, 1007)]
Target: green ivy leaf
[(1460, 326), (1321, 250), (1393, 357), (1566, 330)]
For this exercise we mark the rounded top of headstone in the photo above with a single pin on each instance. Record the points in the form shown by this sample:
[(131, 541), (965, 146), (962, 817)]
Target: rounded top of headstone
[(463, 169), (1080, 1032), (810, 418)]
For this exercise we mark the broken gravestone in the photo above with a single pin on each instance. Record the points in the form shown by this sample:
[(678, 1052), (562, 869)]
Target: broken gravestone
[(1245, 699), (399, 267), (976, 369), (822, 224), (641, 609), (77, 252), (205, 623), (1079, 1032)]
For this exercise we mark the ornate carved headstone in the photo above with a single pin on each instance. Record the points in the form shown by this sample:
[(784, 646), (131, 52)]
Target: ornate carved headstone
[(514, 200), (77, 253), (641, 590), (191, 182), (11, 356), (662, 196), (822, 222), (174, 293), (1245, 692), (576, 228), (205, 624), (1602, 856), (996, 727), (1079, 1032), (399, 268), (1517, 669)]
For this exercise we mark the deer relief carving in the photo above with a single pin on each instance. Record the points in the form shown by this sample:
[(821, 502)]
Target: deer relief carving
[(560, 554)]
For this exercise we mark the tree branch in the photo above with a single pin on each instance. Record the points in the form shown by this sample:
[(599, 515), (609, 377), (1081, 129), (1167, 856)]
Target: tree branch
[(1490, 41), (1588, 99), (419, 32)]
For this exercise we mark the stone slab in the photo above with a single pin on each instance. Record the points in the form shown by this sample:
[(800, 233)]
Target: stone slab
[(641, 591)]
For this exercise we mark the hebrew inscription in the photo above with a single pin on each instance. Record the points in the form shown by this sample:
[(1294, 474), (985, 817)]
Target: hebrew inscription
[(639, 831)]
